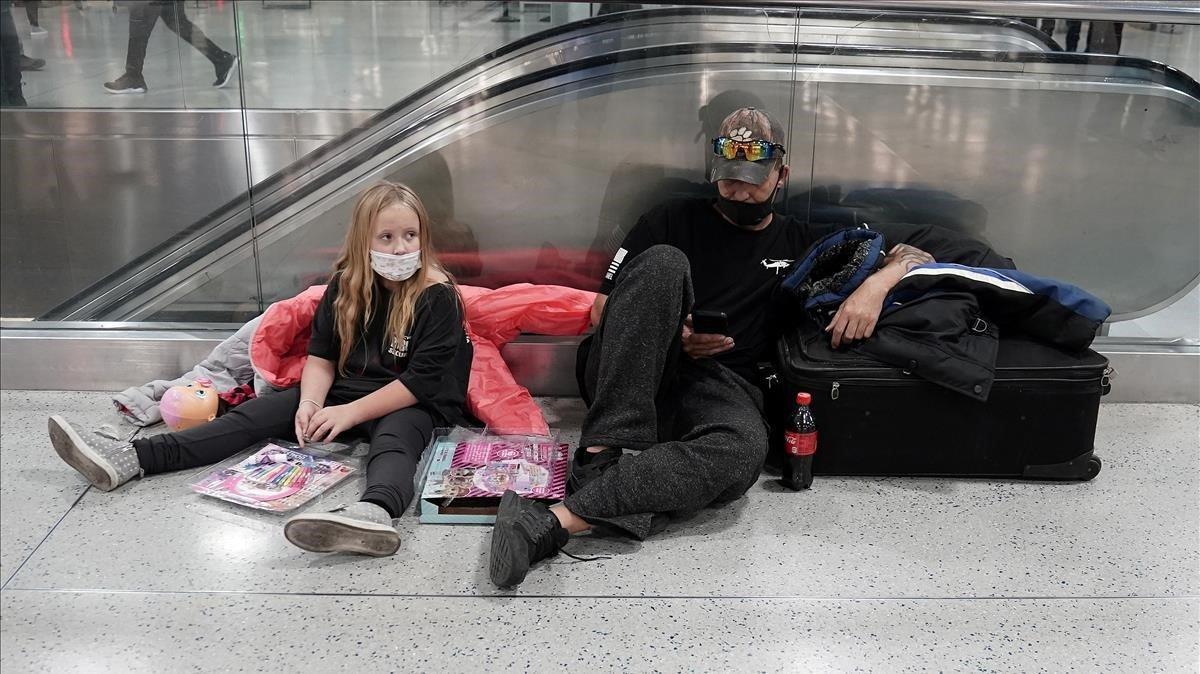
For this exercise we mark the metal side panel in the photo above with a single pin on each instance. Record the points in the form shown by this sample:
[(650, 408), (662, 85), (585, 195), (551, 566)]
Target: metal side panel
[(113, 357), (116, 359), (99, 360)]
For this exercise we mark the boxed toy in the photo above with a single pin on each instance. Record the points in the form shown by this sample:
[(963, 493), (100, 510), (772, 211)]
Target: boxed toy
[(468, 471)]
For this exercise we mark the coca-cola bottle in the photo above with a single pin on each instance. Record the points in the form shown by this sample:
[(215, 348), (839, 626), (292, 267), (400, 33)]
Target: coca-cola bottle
[(800, 443)]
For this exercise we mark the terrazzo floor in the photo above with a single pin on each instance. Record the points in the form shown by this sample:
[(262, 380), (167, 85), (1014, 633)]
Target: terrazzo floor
[(856, 574)]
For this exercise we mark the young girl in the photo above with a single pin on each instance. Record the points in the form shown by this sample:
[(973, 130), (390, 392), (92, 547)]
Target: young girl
[(389, 358)]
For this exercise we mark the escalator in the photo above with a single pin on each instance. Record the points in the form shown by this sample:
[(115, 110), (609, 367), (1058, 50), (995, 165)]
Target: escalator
[(534, 159)]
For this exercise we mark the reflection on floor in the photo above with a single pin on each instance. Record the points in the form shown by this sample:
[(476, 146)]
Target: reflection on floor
[(340, 55), (874, 574)]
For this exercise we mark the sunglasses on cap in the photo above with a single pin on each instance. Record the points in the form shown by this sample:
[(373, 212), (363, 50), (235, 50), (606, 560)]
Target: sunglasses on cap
[(752, 150)]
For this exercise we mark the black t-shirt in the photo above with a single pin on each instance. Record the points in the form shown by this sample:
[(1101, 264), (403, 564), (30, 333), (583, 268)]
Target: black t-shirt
[(433, 361), (733, 270)]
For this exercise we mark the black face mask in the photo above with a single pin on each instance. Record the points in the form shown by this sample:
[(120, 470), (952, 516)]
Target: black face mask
[(745, 214)]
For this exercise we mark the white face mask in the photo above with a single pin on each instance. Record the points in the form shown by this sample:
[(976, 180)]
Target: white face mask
[(395, 267)]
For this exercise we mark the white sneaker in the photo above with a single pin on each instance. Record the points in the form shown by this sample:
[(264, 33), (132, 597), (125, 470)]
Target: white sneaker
[(362, 527), (37, 31)]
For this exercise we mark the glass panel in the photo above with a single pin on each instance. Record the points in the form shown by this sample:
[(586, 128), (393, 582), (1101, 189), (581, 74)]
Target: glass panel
[(368, 55), (537, 158), (540, 184), (1040, 152), (94, 181)]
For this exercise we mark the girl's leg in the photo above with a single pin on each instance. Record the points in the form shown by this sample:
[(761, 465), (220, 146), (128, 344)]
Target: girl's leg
[(254, 420), (397, 442), (108, 464)]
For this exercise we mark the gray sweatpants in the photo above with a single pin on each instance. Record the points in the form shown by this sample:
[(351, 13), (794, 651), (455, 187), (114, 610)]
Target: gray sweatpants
[(698, 425)]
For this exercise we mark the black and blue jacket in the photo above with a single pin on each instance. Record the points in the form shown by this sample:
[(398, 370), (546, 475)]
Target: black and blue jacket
[(943, 321)]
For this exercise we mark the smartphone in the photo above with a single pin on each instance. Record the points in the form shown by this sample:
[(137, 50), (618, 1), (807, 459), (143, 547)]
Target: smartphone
[(710, 322)]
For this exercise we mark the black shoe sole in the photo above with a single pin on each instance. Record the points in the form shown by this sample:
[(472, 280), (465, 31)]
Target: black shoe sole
[(508, 563), (128, 90)]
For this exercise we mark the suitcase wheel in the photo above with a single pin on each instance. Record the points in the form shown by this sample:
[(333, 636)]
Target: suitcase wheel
[(1082, 468)]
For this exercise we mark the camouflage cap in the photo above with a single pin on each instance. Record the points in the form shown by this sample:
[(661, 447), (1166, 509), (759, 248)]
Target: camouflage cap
[(747, 124)]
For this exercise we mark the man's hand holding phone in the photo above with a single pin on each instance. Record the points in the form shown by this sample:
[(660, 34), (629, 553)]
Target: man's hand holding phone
[(705, 334)]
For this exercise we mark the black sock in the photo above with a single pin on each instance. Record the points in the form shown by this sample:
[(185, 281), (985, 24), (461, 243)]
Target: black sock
[(584, 457)]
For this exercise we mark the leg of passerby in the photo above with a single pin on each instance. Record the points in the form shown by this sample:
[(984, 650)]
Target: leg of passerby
[(1073, 30), (142, 17), (11, 94), (175, 17), (31, 13)]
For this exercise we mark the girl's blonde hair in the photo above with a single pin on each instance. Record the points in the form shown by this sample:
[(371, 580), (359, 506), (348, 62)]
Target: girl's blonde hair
[(356, 279)]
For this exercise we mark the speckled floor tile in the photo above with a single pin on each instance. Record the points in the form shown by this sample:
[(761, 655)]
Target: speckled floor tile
[(63, 631), (1131, 532), (36, 487)]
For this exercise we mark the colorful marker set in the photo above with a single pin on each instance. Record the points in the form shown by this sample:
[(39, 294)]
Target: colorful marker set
[(273, 478), (279, 476)]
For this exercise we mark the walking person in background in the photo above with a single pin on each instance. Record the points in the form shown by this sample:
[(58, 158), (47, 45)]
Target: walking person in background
[(12, 60), (31, 13), (142, 18)]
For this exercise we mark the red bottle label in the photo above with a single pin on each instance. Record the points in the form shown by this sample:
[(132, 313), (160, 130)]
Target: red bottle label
[(800, 444)]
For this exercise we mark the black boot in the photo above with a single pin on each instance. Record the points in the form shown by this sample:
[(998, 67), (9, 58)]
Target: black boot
[(525, 532)]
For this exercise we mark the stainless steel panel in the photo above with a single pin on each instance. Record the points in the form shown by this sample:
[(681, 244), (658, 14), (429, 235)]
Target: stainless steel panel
[(182, 124), (1151, 373), (329, 123), (117, 198), (268, 156), (120, 357), (544, 365), (303, 123), (67, 122), (101, 360), (34, 271)]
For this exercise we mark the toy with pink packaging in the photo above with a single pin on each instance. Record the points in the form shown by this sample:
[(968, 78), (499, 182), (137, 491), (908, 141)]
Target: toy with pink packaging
[(468, 471), (274, 478)]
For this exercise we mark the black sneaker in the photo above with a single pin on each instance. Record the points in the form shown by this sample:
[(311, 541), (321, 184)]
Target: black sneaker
[(525, 532), (127, 84), (28, 63), (587, 466), (224, 69)]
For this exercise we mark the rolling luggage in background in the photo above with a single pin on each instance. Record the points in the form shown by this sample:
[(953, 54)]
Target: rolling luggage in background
[(1039, 421)]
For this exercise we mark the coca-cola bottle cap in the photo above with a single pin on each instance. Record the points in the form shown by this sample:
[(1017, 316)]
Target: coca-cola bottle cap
[(803, 398)]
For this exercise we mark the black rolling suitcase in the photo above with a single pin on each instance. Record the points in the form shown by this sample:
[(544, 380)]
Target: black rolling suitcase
[(1038, 423)]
